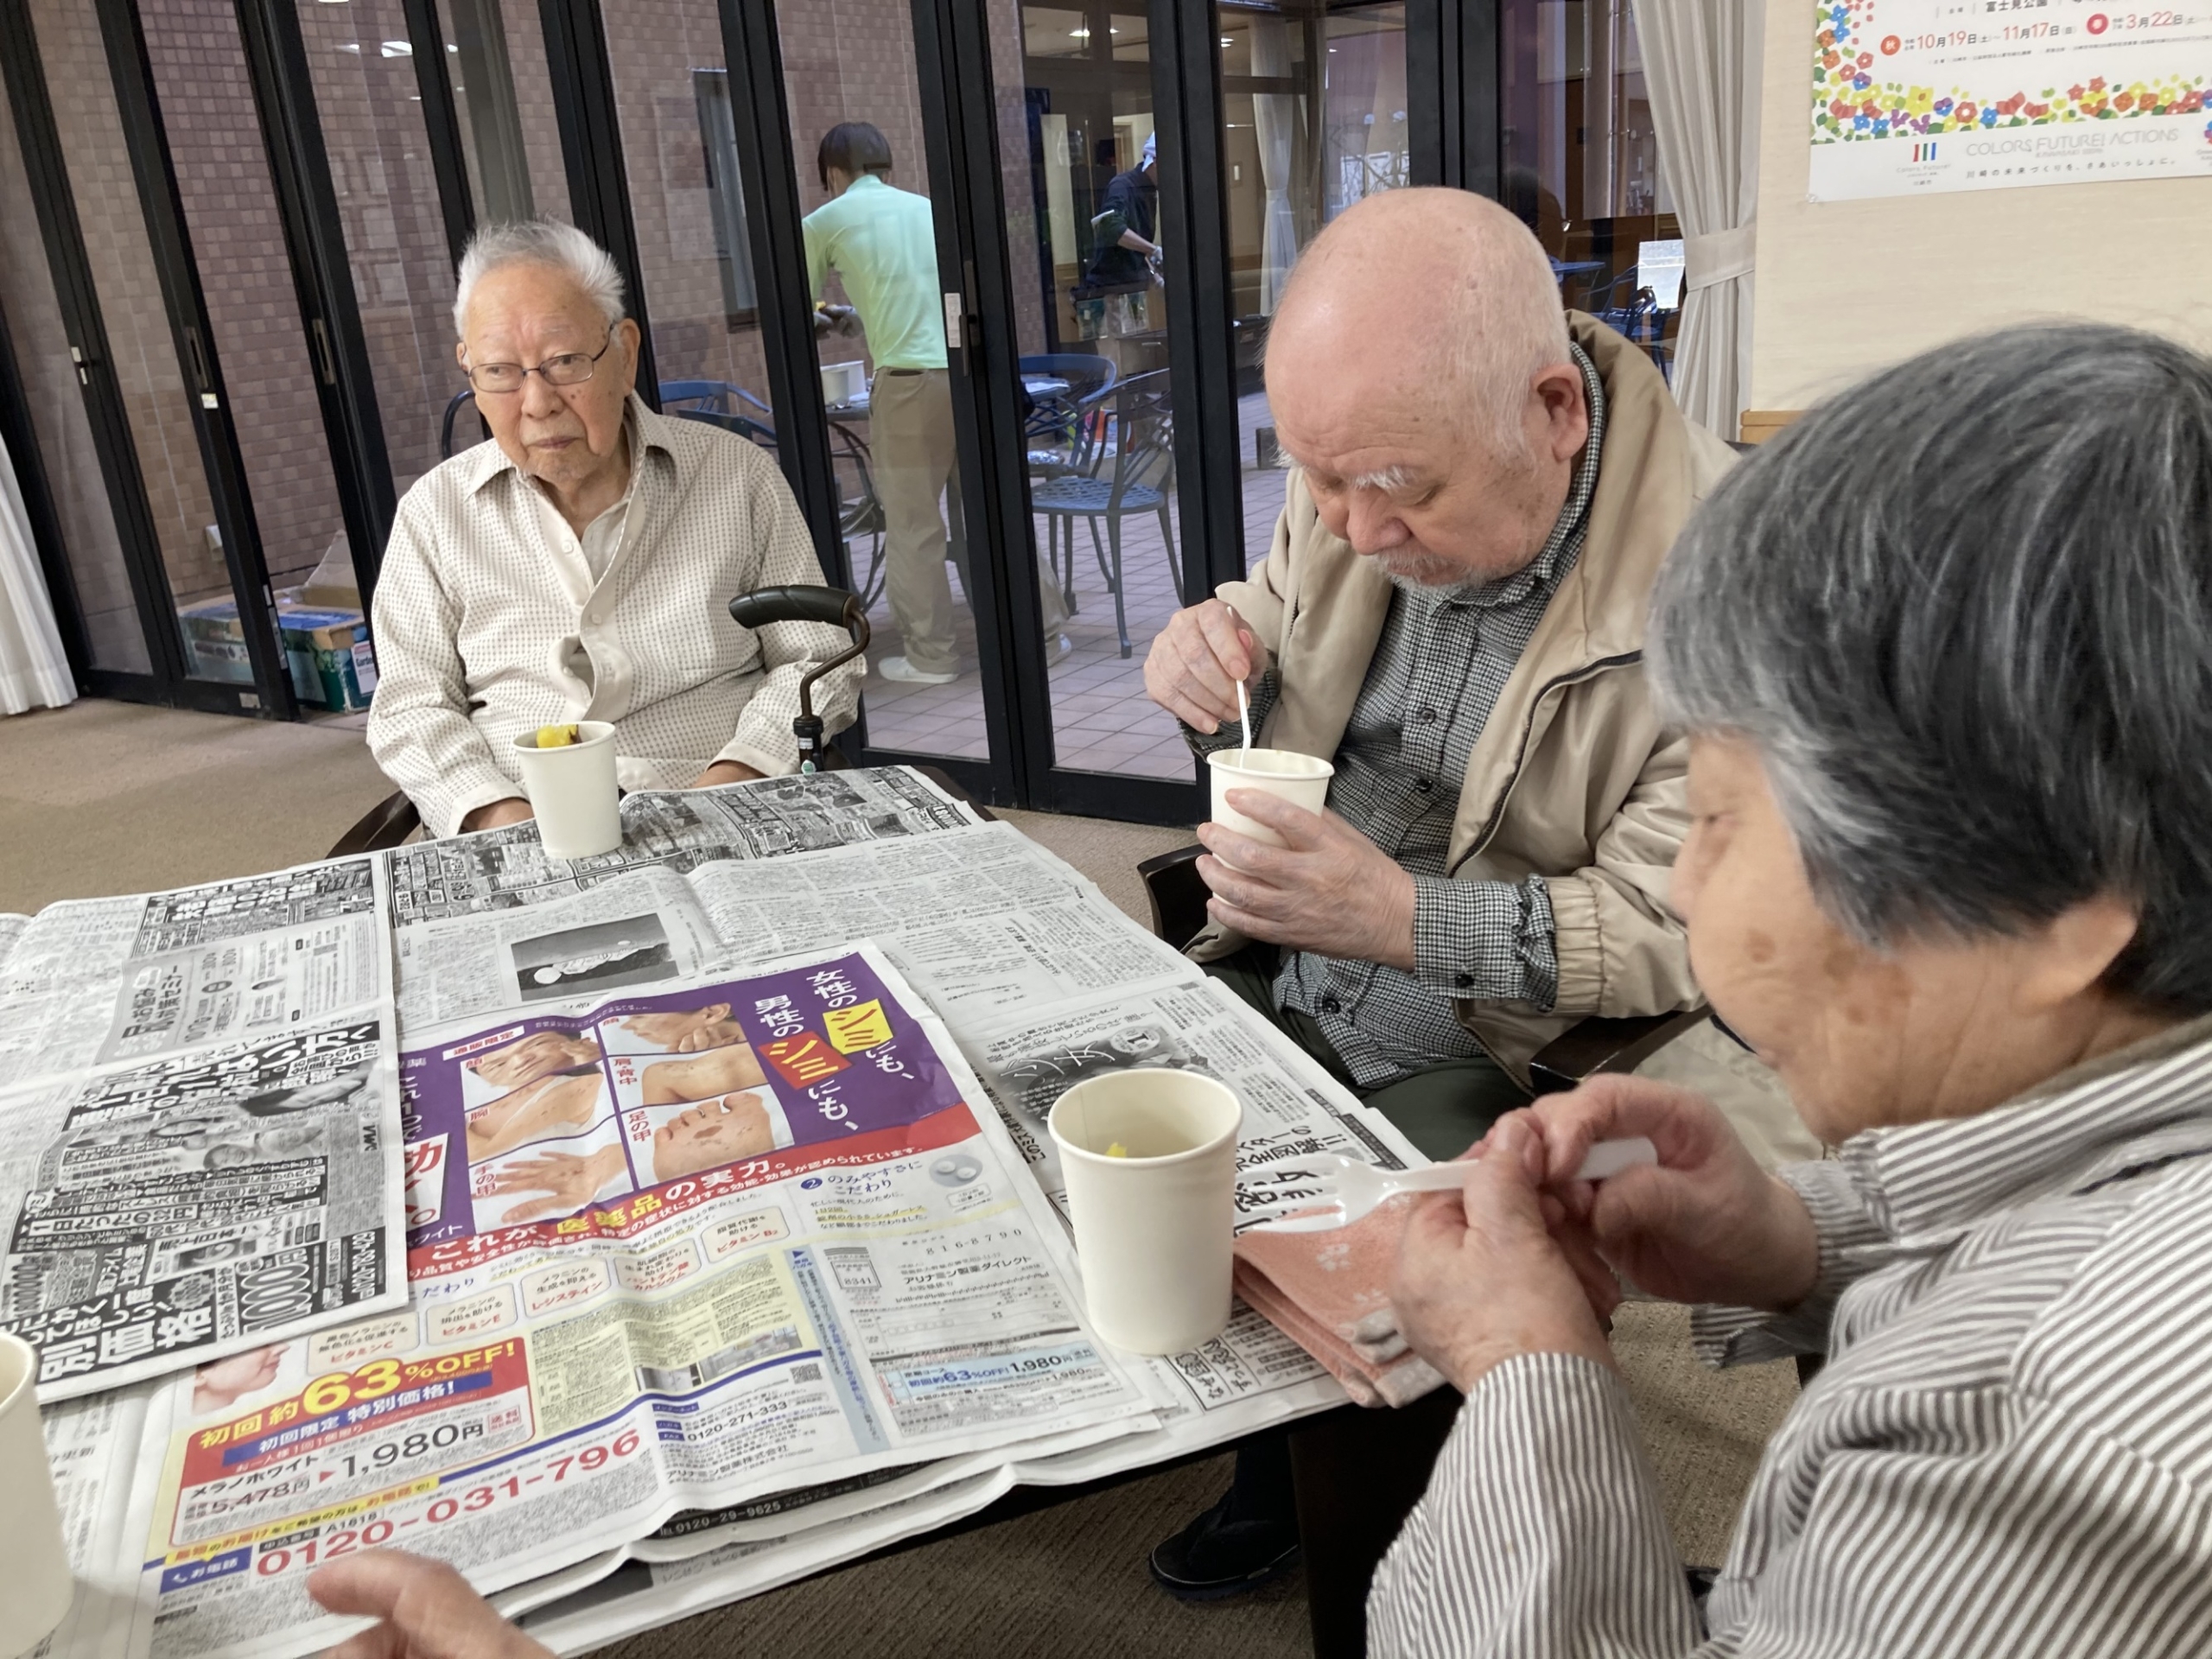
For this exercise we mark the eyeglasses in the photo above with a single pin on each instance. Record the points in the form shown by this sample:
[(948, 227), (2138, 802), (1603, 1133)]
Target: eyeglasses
[(569, 369)]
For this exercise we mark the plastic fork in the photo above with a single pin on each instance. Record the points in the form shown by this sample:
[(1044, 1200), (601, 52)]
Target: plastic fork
[(1330, 1191)]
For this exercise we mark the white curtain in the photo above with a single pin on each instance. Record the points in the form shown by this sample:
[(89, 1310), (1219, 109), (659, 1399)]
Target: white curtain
[(1274, 118), (34, 671), (1702, 62)]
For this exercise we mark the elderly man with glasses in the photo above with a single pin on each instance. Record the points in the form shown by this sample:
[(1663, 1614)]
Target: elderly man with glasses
[(579, 566)]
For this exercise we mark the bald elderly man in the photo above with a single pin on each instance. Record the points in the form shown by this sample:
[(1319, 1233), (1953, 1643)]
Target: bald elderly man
[(1452, 613), (580, 565)]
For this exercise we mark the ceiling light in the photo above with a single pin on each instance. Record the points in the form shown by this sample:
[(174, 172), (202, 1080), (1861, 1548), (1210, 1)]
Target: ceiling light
[(398, 49), (349, 46), (450, 46)]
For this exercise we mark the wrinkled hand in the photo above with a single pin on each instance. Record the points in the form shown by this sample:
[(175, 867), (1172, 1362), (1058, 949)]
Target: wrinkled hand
[(530, 1111), (570, 1181), (1708, 1225), (1196, 661), (724, 771), (428, 1611), (1480, 1277), (1328, 889), (513, 809)]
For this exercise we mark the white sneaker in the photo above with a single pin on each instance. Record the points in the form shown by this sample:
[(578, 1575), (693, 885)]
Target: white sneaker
[(1058, 649), (898, 668)]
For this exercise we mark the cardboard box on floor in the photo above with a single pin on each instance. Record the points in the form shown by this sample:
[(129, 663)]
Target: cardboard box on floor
[(333, 664)]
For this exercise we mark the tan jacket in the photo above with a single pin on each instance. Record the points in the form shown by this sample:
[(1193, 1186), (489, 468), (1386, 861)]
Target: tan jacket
[(1573, 777)]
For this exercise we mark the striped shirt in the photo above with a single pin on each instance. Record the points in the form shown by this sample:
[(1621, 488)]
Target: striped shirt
[(1437, 670), (487, 626), (2008, 1454)]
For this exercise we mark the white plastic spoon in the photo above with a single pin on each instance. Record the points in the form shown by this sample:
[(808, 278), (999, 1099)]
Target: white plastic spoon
[(1330, 1191)]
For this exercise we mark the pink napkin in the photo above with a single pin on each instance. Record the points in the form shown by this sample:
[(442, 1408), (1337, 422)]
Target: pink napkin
[(1329, 1293)]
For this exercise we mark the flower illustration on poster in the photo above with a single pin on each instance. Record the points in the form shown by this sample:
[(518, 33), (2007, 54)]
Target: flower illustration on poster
[(1911, 96)]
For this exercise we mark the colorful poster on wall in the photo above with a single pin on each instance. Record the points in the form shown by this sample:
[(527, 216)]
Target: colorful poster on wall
[(1913, 96)]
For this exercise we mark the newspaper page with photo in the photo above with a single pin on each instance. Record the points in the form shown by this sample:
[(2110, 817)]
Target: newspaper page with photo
[(199, 1144), (674, 1253), (1043, 982), (708, 1296)]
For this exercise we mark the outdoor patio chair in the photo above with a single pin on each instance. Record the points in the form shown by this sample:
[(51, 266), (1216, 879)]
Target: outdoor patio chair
[(1124, 463), (1054, 427)]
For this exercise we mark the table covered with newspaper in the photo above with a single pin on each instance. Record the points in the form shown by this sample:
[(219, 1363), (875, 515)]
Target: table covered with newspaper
[(736, 1244)]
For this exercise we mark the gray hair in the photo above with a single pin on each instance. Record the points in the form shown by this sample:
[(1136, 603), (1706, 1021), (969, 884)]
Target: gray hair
[(539, 242), (1964, 613)]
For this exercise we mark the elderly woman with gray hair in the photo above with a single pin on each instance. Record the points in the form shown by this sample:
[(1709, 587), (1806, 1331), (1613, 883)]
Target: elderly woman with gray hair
[(1945, 653)]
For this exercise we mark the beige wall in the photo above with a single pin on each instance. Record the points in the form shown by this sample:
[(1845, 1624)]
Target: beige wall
[(1843, 288)]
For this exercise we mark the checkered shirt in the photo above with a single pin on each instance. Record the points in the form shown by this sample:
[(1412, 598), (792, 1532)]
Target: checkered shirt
[(1443, 660)]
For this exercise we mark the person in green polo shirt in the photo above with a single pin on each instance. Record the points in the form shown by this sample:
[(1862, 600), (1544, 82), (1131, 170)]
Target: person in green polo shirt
[(882, 241)]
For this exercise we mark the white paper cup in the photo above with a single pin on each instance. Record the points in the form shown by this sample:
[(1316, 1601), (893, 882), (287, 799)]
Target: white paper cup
[(1299, 779), (34, 1581), (572, 793), (1153, 1229)]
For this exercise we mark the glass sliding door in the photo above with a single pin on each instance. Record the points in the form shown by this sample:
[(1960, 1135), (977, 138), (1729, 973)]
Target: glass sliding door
[(679, 142), (115, 635), (510, 140), (238, 239), (360, 62), (1080, 196), (1314, 119), (146, 371), (911, 548), (1581, 166)]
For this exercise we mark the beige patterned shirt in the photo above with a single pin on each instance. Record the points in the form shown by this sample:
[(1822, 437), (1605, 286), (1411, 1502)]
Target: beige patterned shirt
[(485, 630)]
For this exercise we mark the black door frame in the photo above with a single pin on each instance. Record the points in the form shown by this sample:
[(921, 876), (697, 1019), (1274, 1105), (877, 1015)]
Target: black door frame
[(322, 278), (160, 208), (586, 110), (78, 300), (1452, 93), (161, 203)]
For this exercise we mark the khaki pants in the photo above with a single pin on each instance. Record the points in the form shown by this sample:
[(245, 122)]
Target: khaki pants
[(917, 475)]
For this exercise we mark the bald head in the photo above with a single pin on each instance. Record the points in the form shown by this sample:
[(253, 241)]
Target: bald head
[(1438, 293), (1418, 370)]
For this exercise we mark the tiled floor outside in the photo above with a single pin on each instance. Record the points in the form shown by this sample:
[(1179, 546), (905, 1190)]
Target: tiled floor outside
[(1102, 720)]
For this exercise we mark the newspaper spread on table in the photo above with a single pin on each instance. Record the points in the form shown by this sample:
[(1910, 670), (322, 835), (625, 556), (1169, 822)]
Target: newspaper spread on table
[(736, 1244), (200, 1143)]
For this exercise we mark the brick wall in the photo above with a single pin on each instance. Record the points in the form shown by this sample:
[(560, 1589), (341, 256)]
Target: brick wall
[(656, 46), (387, 196), (238, 240), (541, 128)]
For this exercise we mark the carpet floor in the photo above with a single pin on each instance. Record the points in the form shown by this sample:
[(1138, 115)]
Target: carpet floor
[(108, 798)]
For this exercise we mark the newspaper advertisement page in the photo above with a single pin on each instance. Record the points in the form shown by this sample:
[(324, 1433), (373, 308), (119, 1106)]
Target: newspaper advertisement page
[(213, 1163), (673, 1251), (500, 869), (101, 980)]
